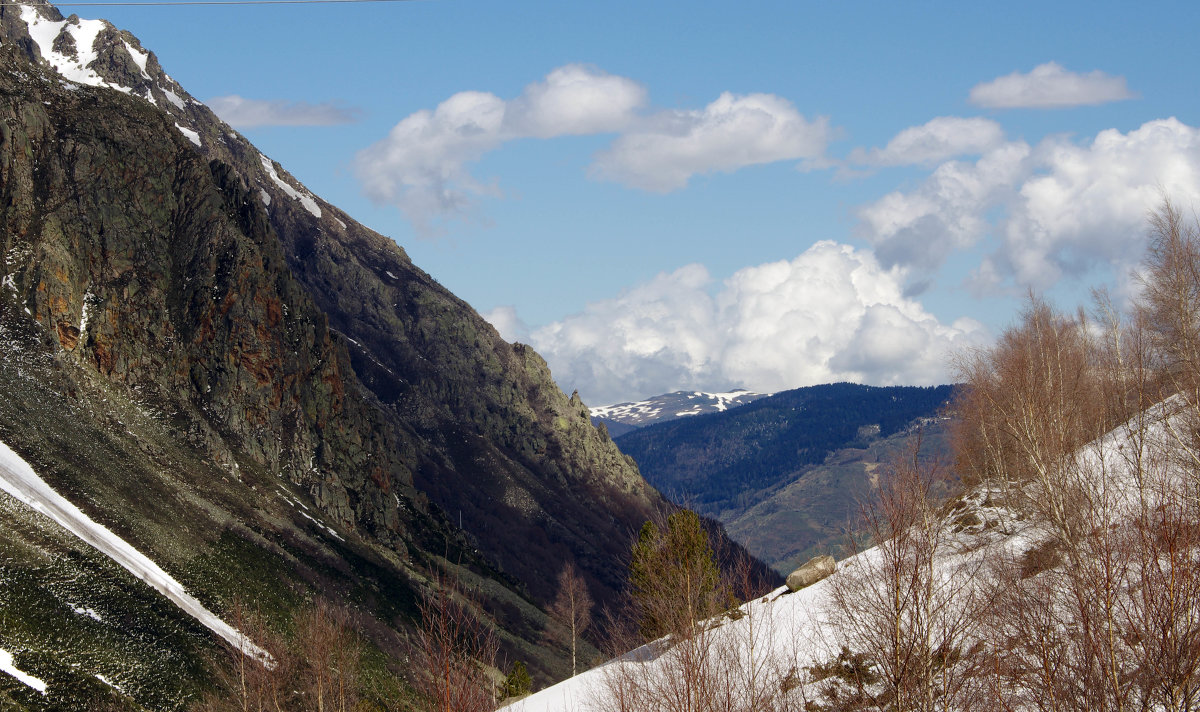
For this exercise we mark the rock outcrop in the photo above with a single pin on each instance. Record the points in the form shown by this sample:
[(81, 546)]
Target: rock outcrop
[(203, 353), (814, 570)]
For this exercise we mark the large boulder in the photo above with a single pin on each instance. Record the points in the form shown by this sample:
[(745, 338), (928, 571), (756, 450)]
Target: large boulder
[(817, 568)]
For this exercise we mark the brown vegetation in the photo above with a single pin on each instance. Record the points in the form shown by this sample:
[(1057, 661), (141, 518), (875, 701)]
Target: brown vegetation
[(315, 670), (453, 653), (1094, 606), (917, 626)]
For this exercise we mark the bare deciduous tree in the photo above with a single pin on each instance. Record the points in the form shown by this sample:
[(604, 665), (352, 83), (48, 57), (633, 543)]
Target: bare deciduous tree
[(316, 670), (571, 610), (1028, 404), (913, 623), (330, 658), (453, 651)]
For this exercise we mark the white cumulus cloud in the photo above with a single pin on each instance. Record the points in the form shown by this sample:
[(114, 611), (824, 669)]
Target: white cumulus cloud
[(422, 166), (248, 113), (1049, 86), (574, 100), (1087, 204), (920, 228), (733, 132), (831, 314), (1056, 209), (937, 140)]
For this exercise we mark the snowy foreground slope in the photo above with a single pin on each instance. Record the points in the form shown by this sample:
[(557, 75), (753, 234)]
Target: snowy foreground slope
[(783, 636), (19, 480), (775, 637)]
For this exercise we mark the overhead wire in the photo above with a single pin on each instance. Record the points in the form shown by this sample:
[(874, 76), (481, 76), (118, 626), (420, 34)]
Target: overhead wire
[(132, 3)]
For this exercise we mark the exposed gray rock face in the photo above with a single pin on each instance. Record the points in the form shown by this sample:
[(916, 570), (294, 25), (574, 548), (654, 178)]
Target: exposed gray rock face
[(313, 345), (236, 375), (817, 568)]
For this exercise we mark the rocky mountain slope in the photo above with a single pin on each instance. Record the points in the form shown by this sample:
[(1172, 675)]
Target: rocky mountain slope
[(268, 399)]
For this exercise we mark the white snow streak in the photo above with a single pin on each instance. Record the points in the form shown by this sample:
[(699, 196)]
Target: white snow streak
[(18, 479), (305, 199), (89, 612), (110, 683), (7, 665), (86, 315), (139, 58), (172, 97), (192, 136)]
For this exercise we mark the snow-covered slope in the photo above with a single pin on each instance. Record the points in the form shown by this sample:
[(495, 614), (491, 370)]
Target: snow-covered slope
[(18, 480), (8, 665), (794, 639), (773, 639)]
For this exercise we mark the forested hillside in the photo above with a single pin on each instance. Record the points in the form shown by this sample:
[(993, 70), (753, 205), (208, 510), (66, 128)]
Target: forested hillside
[(724, 462)]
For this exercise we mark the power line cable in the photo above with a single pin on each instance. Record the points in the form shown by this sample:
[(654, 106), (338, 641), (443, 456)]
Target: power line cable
[(161, 3)]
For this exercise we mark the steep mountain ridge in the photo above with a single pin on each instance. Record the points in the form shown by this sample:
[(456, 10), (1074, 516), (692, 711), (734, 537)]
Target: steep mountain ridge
[(267, 398), (500, 428)]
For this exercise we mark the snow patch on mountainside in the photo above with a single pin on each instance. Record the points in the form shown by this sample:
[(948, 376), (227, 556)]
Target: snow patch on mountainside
[(8, 665), (172, 97), (305, 199), (677, 404), (139, 58), (19, 480), (83, 34), (191, 135)]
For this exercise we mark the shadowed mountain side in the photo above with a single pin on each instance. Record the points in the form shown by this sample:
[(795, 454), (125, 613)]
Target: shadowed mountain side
[(268, 400), (724, 464), (476, 423), (718, 461), (817, 512)]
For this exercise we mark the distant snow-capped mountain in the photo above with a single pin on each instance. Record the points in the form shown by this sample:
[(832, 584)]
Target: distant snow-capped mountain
[(623, 417)]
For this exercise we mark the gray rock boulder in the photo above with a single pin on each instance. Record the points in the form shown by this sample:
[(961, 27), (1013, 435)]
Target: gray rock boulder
[(817, 568)]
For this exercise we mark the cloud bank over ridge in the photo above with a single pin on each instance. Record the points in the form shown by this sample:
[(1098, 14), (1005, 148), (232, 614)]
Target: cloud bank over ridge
[(830, 314), (1047, 212), (240, 112)]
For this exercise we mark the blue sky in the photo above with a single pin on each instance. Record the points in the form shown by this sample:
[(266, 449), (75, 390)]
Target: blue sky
[(664, 195)]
